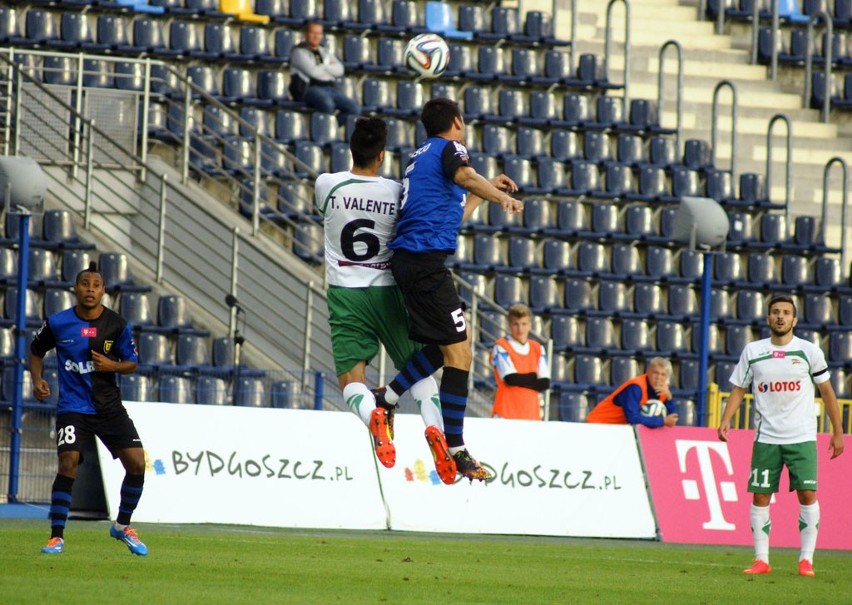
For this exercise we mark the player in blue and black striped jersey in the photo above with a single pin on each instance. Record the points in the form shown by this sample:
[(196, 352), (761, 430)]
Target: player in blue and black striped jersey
[(92, 344), (439, 189)]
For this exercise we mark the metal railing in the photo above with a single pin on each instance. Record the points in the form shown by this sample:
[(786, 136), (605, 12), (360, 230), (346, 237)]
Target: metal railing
[(788, 165), (844, 192), (608, 50), (678, 91), (714, 126)]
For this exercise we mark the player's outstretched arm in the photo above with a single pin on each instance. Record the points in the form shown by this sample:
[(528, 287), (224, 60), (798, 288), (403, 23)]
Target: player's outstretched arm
[(481, 187), (829, 400), (734, 401)]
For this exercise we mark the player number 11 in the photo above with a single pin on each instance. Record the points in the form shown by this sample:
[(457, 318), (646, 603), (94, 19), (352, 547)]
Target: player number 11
[(754, 474)]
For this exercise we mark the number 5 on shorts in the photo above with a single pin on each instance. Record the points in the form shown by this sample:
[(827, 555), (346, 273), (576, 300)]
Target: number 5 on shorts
[(458, 319)]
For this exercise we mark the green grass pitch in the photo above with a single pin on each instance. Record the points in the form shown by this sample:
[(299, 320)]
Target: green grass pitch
[(225, 564)]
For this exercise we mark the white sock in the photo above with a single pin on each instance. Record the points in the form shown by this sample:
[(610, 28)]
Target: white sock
[(360, 400), (760, 526), (391, 396), (425, 393), (455, 449), (808, 528), (119, 526)]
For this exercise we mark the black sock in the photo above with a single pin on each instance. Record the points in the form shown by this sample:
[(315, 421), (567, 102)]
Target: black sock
[(424, 363), (131, 491), (60, 503), (453, 395)]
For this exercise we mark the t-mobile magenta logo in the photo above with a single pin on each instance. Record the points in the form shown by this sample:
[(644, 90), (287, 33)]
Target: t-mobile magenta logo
[(726, 491)]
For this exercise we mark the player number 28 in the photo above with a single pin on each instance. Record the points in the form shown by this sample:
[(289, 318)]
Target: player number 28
[(66, 435)]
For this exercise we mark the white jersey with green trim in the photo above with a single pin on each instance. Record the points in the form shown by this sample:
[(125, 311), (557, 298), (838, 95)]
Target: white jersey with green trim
[(782, 380), (359, 215)]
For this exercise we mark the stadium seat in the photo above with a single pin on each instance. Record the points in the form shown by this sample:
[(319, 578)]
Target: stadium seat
[(671, 337), (570, 217), (578, 295), (596, 147), (585, 179), (243, 10), (308, 243), (174, 389), (719, 185), (720, 304), (589, 370), (740, 229), (691, 264), (135, 308), (795, 271), (750, 306), (612, 298), (727, 267), (565, 332), (592, 258), (662, 152), (696, 154), (572, 406), (557, 256), (635, 337), (42, 268), (828, 273), (136, 387), (210, 390), (522, 254), (544, 294), (509, 290), (659, 262), (564, 145), (56, 301), (72, 262), (623, 369), (761, 269), (818, 310), (685, 182), (154, 350), (648, 300), (773, 229), (629, 149), (609, 113), (626, 263), (639, 222), (683, 301)]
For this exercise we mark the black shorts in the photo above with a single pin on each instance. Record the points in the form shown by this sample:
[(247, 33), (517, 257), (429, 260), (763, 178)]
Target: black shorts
[(435, 311), (115, 429)]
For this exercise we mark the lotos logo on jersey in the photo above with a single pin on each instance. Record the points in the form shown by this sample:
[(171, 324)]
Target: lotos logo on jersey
[(83, 367), (89, 332), (780, 386)]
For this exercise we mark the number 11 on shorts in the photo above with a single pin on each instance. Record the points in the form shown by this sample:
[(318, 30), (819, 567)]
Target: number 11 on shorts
[(754, 477)]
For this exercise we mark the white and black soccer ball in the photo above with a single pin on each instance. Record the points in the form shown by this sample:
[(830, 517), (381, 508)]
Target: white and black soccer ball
[(654, 407), (427, 55)]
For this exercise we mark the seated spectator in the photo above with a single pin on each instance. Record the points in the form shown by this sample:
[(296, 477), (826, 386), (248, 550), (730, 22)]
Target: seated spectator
[(521, 369), (315, 75), (624, 405)]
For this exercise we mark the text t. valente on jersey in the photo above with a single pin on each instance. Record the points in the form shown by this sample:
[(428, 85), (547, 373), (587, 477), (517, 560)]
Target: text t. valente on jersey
[(782, 380), (359, 216)]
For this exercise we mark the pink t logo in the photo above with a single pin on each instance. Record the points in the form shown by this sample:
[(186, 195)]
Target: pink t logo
[(691, 490)]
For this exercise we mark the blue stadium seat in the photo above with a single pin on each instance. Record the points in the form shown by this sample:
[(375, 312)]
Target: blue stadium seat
[(575, 112), (461, 62), (688, 374), (719, 185), (648, 300), (570, 218), (9, 30), (357, 53), (56, 301), (38, 27), (609, 113), (183, 38), (282, 394), (753, 190), (556, 256), (795, 271), (565, 332), (828, 273), (522, 254), (761, 269), (290, 126), (584, 181), (487, 253), (154, 350), (659, 262), (600, 334), (723, 371), (626, 263), (542, 110), (612, 298), (596, 147), (59, 70), (691, 264), (530, 143), (136, 387), (605, 219), (818, 310), (404, 18), (805, 231), (667, 216), (284, 41), (254, 44), (662, 152), (508, 290), (42, 268), (308, 243), (505, 22), (311, 154), (172, 313), (696, 154), (74, 32), (557, 68), (500, 220), (727, 267), (210, 390), (740, 229), (639, 222), (510, 104), (750, 306), (683, 301), (409, 98), (578, 295), (619, 181), (635, 337), (671, 338), (564, 145), (652, 185), (720, 304), (490, 65), (537, 215), (520, 171), (623, 369), (630, 149), (174, 389), (736, 338), (572, 406), (191, 352), (544, 294), (324, 129), (136, 309), (592, 258), (390, 56), (477, 103), (237, 86)]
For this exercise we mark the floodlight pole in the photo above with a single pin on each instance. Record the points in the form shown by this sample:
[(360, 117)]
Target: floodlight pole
[(20, 343)]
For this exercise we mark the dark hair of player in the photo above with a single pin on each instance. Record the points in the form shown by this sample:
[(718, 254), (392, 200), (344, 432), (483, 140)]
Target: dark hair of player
[(781, 298), (368, 140), (92, 268), (438, 115)]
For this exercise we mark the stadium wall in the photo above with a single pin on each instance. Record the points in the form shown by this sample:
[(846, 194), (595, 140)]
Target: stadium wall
[(307, 469)]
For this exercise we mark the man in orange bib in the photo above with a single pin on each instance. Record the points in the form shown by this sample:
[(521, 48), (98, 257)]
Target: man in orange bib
[(521, 369), (624, 404)]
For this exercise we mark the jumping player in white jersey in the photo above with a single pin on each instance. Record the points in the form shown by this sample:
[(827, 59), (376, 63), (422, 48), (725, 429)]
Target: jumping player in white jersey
[(359, 210), (782, 370)]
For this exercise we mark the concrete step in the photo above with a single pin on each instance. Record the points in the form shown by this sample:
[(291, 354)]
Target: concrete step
[(770, 100)]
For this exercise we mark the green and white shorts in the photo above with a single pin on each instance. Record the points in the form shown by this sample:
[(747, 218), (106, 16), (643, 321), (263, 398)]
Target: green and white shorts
[(362, 317), (767, 460)]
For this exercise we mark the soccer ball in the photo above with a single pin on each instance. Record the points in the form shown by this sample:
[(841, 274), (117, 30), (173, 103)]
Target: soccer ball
[(427, 55), (654, 407)]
